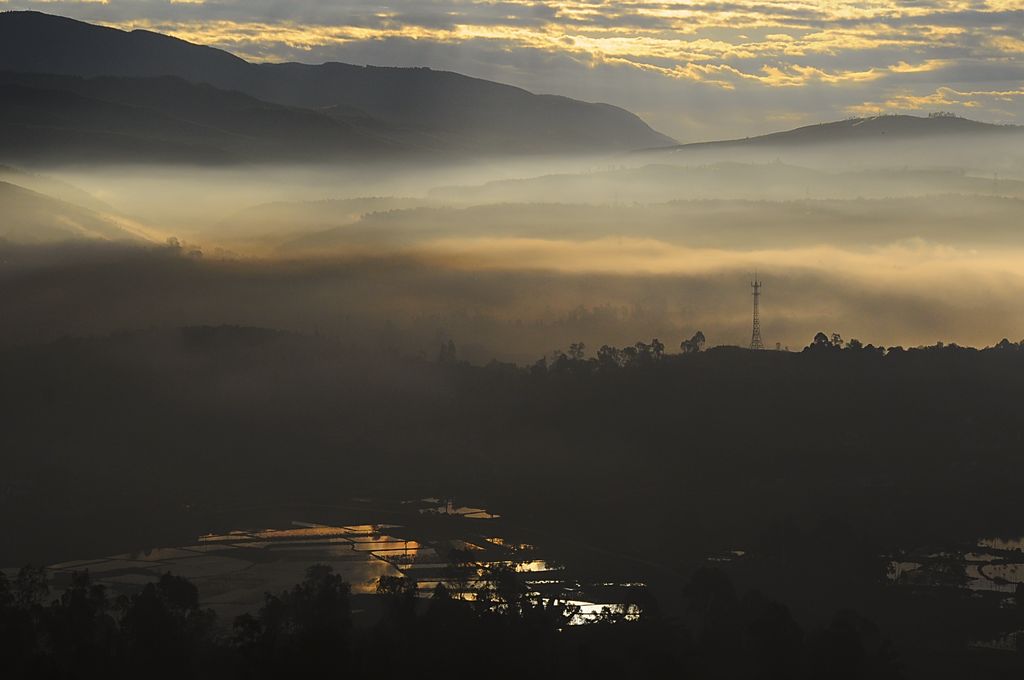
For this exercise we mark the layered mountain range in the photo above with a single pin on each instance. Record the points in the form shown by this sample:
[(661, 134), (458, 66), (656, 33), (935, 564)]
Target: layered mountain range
[(77, 96), (81, 92)]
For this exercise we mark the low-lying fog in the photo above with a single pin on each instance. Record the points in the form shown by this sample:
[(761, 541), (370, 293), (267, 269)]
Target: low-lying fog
[(513, 260)]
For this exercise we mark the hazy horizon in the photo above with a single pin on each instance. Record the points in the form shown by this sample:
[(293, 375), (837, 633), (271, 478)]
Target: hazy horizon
[(883, 256)]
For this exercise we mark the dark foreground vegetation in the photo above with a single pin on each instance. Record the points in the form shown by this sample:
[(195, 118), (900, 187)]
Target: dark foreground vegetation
[(635, 462), (307, 631)]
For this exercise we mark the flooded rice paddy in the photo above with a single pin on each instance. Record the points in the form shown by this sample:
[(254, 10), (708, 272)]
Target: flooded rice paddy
[(991, 568), (440, 543), (991, 565)]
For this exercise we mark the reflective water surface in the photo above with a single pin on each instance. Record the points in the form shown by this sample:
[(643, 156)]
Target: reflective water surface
[(990, 568), (441, 544), (992, 565)]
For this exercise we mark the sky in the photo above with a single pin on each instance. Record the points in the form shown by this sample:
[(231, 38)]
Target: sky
[(694, 70)]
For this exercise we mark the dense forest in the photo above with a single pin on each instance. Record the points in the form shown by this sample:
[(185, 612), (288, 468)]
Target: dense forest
[(307, 631)]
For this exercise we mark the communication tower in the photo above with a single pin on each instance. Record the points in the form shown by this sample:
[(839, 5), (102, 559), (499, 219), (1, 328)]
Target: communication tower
[(755, 336)]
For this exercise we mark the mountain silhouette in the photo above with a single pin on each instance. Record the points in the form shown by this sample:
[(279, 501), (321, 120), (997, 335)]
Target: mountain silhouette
[(165, 119), (414, 106), (873, 129), (933, 141)]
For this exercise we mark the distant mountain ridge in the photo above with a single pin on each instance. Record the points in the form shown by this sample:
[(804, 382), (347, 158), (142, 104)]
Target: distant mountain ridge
[(415, 107), (875, 128), (892, 140), (661, 182)]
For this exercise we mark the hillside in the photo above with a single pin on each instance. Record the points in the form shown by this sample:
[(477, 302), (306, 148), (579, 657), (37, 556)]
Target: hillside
[(163, 119), (418, 105), (659, 182), (308, 216), (54, 188), (32, 218), (878, 142), (877, 128)]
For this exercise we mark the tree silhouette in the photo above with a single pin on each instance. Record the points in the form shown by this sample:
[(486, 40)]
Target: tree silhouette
[(164, 630), (694, 344), (305, 630)]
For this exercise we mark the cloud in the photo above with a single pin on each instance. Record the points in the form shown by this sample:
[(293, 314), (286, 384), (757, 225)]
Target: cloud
[(843, 56), (944, 98)]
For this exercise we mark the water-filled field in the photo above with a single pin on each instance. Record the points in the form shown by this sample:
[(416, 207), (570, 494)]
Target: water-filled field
[(440, 543)]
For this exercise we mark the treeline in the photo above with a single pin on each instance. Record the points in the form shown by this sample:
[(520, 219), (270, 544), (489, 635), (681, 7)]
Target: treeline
[(646, 353), (308, 631)]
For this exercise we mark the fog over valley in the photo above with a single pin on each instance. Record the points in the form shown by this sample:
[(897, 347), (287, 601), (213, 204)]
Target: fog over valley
[(576, 248)]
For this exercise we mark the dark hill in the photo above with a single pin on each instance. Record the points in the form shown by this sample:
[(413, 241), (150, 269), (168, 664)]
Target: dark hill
[(451, 110), (936, 141), (165, 119), (878, 128), (45, 43)]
